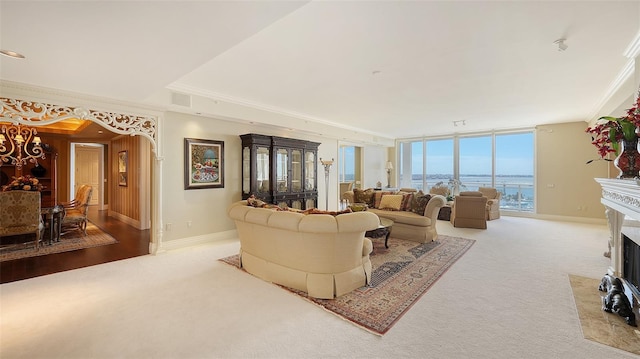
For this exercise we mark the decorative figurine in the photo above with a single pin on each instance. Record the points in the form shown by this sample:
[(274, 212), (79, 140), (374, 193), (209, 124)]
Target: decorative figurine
[(616, 301)]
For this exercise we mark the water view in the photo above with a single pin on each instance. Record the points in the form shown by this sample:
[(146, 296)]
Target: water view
[(517, 191)]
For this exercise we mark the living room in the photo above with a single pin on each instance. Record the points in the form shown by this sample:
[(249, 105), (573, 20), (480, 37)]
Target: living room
[(568, 214)]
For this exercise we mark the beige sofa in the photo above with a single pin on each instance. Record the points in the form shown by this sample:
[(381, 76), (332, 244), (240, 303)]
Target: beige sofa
[(408, 224), (323, 255)]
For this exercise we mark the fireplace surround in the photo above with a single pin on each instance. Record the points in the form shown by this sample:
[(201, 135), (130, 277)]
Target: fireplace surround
[(621, 198)]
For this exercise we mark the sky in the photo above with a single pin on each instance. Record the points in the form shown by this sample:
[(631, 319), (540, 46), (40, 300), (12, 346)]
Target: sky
[(514, 155)]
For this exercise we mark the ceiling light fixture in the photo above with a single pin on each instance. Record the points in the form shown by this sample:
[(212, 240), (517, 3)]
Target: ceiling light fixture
[(459, 122), (13, 54), (561, 45), (24, 144)]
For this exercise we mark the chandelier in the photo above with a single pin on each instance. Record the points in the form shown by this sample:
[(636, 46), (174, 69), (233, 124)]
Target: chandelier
[(19, 144)]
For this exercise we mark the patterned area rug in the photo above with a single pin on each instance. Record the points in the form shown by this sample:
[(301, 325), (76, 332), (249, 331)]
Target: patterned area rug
[(70, 242), (401, 275)]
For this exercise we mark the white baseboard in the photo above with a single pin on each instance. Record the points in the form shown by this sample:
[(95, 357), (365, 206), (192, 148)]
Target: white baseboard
[(198, 240), (553, 217), (128, 220)]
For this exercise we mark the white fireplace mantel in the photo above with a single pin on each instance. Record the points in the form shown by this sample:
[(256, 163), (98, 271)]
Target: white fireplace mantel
[(621, 197)]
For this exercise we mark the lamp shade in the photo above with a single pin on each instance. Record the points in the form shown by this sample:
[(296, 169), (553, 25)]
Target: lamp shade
[(389, 166)]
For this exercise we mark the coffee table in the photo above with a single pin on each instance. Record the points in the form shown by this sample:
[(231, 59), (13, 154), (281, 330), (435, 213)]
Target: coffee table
[(383, 230)]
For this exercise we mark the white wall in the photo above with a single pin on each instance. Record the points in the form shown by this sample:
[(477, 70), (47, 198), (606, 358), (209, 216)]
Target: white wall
[(374, 158), (565, 183), (206, 208)]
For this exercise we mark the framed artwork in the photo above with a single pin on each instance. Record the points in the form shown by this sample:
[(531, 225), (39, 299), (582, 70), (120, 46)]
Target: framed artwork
[(122, 168), (203, 163)]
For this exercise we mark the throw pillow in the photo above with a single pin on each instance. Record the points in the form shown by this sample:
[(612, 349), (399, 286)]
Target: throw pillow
[(255, 202), (419, 203), (377, 197), (363, 196), (333, 213), (407, 199), (391, 202)]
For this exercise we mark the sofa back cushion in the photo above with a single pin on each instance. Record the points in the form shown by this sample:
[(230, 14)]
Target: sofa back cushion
[(489, 192)]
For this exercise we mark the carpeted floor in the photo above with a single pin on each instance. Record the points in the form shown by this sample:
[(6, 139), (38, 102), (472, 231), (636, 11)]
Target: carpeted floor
[(69, 242), (597, 325), (401, 275)]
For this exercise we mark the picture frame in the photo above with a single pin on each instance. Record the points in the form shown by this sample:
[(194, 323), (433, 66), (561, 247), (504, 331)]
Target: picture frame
[(203, 163), (123, 173)]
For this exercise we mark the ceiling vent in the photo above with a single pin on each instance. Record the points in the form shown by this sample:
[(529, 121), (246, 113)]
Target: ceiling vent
[(180, 99)]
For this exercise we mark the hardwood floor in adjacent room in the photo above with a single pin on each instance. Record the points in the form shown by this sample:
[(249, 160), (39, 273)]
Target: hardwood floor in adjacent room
[(131, 243)]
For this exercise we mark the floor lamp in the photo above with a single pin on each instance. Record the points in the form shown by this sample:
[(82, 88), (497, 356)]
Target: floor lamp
[(389, 167), (327, 169)]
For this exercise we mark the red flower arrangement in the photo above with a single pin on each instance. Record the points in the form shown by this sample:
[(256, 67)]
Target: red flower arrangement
[(608, 131)]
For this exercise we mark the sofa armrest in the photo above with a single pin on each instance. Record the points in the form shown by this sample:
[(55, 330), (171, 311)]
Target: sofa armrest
[(367, 247)]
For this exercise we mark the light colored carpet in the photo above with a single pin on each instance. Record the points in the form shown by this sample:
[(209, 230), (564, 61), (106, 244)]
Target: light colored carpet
[(507, 297), (71, 241)]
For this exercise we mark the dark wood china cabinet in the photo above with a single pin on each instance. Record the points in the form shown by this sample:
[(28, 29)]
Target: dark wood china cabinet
[(280, 170)]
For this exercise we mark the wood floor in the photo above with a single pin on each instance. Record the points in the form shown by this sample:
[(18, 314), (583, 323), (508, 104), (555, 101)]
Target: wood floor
[(131, 243)]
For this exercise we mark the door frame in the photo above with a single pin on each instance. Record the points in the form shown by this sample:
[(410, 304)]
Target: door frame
[(101, 174)]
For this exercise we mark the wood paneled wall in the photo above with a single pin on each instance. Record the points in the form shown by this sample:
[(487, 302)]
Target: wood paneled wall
[(125, 200)]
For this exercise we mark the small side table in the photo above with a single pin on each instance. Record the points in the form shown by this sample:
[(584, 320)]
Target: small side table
[(383, 230), (445, 213), (53, 217)]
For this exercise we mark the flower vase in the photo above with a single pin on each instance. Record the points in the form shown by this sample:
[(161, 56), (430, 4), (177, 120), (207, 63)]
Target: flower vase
[(628, 161)]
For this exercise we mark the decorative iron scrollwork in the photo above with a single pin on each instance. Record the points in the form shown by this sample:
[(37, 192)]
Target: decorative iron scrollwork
[(29, 112)]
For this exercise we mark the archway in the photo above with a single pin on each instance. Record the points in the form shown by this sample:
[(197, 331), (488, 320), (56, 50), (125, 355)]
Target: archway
[(36, 114)]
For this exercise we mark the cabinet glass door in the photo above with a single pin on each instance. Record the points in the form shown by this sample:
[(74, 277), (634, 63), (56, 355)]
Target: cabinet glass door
[(296, 171), (262, 170), (282, 169), (310, 171), (246, 170)]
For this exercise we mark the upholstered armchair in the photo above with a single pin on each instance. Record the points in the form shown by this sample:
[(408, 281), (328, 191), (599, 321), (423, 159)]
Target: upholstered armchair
[(20, 214), (345, 187), (440, 190), (493, 201), (75, 212), (469, 210)]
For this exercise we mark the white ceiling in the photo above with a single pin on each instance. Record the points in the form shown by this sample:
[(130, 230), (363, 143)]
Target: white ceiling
[(394, 69)]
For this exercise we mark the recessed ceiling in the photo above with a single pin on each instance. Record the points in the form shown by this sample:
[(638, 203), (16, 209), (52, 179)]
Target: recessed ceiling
[(395, 69)]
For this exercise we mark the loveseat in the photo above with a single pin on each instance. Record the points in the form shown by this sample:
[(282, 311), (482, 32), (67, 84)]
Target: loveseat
[(321, 254), (414, 214)]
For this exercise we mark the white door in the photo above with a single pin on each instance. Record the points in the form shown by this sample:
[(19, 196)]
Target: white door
[(88, 170)]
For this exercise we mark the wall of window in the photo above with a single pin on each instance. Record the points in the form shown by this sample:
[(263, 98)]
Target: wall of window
[(501, 160), (347, 163)]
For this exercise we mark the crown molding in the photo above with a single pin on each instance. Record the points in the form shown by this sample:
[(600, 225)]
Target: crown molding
[(262, 107), (63, 97), (623, 76)]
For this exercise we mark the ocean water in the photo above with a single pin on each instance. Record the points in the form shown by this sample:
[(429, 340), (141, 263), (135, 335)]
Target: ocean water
[(517, 191)]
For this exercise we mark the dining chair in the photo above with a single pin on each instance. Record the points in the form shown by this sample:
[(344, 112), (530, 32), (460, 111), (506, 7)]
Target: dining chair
[(75, 212), (20, 214)]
